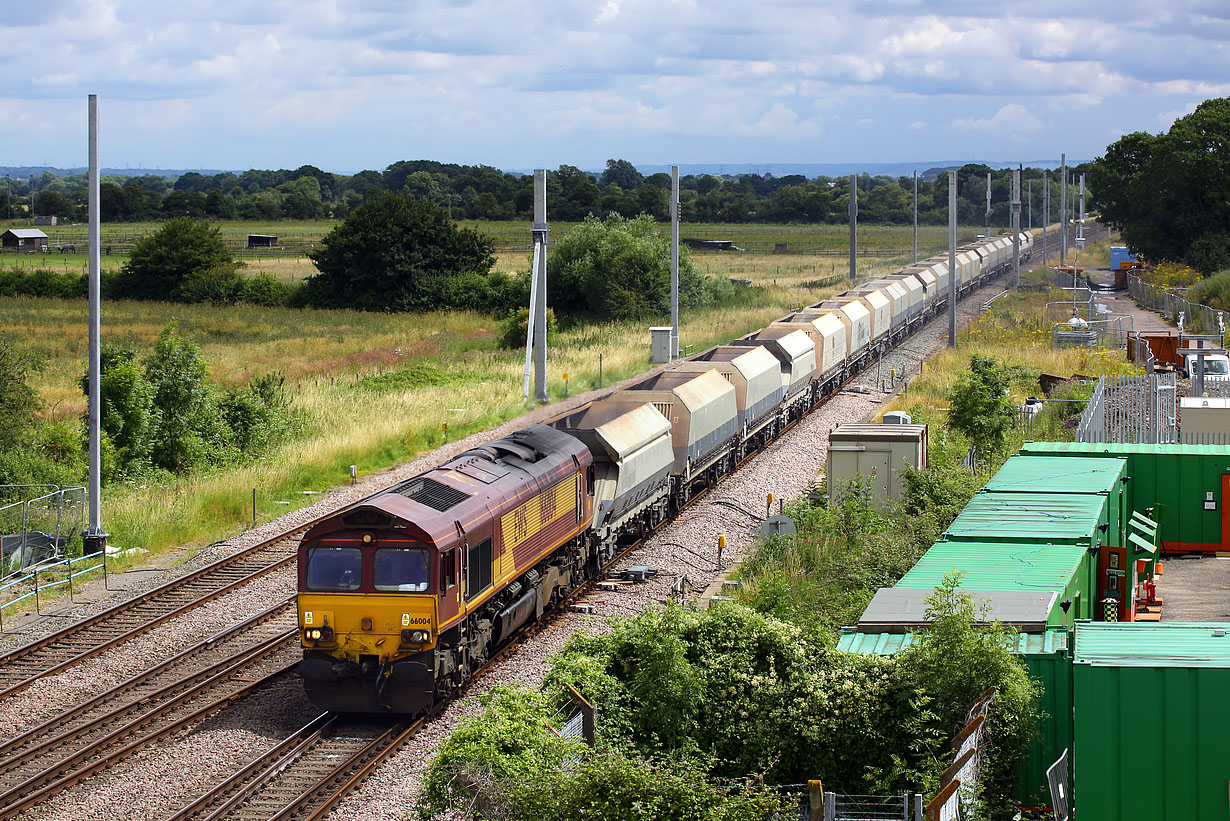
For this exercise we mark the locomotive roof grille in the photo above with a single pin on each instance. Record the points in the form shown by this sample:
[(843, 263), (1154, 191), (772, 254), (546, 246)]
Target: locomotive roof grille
[(431, 493)]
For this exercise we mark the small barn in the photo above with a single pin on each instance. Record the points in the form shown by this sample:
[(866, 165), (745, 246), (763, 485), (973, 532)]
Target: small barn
[(262, 241), (24, 239)]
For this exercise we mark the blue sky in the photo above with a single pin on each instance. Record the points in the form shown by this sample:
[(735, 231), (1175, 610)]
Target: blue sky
[(353, 84)]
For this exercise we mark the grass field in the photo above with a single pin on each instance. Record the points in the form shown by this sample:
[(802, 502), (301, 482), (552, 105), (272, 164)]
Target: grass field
[(821, 247), (435, 369), (373, 389)]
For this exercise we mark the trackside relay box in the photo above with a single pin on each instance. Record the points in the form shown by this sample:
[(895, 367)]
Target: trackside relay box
[(876, 453)]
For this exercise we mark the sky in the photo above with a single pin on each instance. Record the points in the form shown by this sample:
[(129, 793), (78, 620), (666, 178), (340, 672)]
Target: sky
[(353, 84)]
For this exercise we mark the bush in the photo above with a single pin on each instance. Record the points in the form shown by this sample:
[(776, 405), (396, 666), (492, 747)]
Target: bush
[(954, 662), (218, 285), (184, 260), (43, 283), (619, 268), (396, 253), (978, 403), (1214, 291), (513, 329)]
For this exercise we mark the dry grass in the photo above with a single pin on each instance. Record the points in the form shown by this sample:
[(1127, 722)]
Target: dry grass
[(1016, 332)]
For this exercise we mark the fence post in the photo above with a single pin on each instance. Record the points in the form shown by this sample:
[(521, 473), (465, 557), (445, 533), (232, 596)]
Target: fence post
[(815, 800), (918, 808), (830, 806), (36, 592)]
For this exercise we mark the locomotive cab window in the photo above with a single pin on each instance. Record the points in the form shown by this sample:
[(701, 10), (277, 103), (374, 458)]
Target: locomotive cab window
[(400, 568), (334, 568), (448, 570)]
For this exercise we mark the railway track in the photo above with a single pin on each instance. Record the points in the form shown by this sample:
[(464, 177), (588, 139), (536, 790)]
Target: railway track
[(61, 752), (307, 774), (24, 666)]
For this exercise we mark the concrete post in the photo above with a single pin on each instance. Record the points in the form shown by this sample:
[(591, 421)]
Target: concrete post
[(916, 216), (674, 262), (540, 302), (1063, 209), (1016, 228), (94, 538), (853, 229), (952, 259)]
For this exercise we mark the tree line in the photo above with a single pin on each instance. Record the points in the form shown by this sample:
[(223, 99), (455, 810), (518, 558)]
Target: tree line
[(1169, 194), (479, 192)]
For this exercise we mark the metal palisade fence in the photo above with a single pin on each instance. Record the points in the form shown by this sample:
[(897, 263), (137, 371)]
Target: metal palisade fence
[(1138, 409), (1197, 318)]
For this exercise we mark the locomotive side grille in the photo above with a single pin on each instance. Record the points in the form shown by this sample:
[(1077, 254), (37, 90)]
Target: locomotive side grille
[(435, 495)]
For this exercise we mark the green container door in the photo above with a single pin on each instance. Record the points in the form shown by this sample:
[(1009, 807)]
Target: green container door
[(1151, 730)]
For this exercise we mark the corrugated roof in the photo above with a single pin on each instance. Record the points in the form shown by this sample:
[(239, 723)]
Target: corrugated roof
[(1111, 644), (26, 233), (1122, 448), (902, 608), (1058, 474), (887, 644), (998, 565), (1028, 517)]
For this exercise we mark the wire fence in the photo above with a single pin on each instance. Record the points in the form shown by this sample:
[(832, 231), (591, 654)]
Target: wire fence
[(1191, 317), (45, 527)]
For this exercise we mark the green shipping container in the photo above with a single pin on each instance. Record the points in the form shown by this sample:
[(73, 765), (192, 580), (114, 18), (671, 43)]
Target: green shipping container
[(1066, 569), (1070, 476), (1051, 518), (1186, 485), (1151, 727), (1047, 658)]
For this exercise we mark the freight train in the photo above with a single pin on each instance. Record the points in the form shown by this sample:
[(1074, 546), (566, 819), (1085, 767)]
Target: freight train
[(404, 595)]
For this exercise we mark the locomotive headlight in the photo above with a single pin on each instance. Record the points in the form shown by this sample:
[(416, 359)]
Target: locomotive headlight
[(415, 636)]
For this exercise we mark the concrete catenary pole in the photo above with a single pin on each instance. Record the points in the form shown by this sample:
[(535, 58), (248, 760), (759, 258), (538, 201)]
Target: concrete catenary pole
[(674, 262), (1080, 228), (1016, 228), (540, 303), (95, 538), (988, 215), (853, 229), (1063, 209), (916, 215), (1046, 211), (952, 259), (1029, 206)]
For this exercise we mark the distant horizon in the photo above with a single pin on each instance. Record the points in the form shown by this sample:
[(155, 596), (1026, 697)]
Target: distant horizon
[(776, 169)]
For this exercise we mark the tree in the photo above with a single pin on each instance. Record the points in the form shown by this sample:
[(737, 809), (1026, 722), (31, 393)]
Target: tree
[(396, 253), (182, 251), (623, 174), (978, 403), (127, 417), (190, 427), (619, 268), (19, 403), (1169, 195)]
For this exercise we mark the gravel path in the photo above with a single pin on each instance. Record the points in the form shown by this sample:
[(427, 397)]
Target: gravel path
[(170, 773)]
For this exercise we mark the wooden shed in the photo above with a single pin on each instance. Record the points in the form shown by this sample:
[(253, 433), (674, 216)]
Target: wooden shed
[(24, 239), (262, 241)]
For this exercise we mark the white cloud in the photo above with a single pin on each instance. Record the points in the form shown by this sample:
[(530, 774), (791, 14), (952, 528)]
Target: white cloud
[(1013, 120), (487, 79)]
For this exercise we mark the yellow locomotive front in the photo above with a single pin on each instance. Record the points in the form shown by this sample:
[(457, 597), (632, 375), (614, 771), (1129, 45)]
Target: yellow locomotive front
[(368, 620)]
